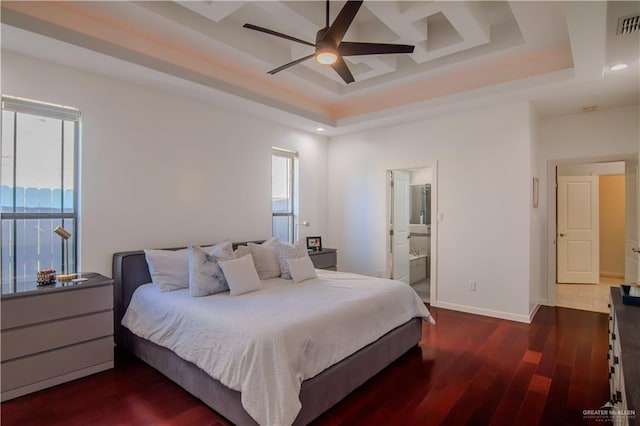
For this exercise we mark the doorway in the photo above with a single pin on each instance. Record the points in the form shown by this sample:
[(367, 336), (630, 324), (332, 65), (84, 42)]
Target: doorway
[(411, 232), (590, 232)]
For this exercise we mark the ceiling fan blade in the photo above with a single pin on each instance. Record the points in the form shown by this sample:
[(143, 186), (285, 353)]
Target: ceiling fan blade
[(290, 64), (277, 34), (342, 22), (348, 48), (341, 68)]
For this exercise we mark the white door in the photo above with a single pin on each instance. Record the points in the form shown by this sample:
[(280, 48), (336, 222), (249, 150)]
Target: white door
[(400, 225), (631, 263), (578, 230)]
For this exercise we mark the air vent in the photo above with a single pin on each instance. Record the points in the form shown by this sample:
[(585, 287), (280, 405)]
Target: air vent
[(628, 24)]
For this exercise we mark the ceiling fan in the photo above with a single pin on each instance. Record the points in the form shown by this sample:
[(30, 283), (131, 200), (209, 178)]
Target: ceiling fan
[(330, 49)]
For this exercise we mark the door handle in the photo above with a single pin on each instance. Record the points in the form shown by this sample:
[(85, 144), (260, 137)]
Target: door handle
[(560, 235), (636, 249)]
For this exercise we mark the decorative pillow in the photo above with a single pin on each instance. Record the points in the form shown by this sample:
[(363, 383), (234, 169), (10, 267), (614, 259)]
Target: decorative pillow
[(168, 268), (286, 251), (241, 275), (265, 260), (241, 251), (301, 269), (222, 250), (205, 275)]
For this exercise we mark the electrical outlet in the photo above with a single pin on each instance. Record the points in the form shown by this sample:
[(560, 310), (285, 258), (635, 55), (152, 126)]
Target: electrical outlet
[(472, 286)]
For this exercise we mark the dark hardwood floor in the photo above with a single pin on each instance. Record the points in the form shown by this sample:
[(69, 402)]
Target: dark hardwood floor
[(468, 369)]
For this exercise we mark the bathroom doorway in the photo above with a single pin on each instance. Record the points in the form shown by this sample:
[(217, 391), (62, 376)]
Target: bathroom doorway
[(411, 201)]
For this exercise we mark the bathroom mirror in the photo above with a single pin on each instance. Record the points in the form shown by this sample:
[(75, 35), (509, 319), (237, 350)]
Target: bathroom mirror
[(420, 204)]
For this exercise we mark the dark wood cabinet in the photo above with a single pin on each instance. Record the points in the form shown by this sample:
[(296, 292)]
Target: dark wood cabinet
[(325, 259), (624, 350)]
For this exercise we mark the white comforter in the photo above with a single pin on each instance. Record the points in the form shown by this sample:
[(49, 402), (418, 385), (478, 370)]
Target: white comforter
[(265, 343)]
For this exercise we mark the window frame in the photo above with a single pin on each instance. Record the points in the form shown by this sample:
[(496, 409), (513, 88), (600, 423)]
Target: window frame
[(63, 113), (292, 213)]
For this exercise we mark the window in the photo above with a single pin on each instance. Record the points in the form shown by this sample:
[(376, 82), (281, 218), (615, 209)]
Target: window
[(38, 188), (284, 194)]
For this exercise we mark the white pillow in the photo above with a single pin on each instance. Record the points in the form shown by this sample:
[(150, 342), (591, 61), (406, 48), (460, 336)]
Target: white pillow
[(241, 275), (241, 251), (286, 251), (301, 269), (168, 268), (223, 249), (265, 260), (205, 275)]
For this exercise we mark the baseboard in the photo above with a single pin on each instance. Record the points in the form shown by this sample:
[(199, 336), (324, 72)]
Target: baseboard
[(612, 274), (485, 312), (533, 312)]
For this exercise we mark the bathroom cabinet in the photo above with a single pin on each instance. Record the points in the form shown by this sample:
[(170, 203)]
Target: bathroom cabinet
[(417, 268)]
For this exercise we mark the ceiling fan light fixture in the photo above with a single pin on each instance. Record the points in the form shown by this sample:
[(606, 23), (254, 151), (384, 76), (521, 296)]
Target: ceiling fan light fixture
[(326, 57)]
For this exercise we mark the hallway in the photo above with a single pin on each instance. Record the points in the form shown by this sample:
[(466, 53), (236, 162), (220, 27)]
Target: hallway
[(587, 297)]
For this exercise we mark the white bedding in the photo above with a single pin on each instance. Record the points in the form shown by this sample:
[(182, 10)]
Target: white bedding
[(265, 343)]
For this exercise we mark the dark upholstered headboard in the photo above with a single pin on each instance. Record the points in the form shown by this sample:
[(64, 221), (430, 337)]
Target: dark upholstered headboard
[(130, 271)]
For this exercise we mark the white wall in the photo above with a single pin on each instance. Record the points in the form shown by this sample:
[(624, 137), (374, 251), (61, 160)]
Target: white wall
[(604, 135), (537, 219), (484, 179), (421, 176), (160, 170), (589, 169)]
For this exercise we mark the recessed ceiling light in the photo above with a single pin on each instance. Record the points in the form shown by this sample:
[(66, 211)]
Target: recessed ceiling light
[(618, 67), (320, 129), (589, 108)]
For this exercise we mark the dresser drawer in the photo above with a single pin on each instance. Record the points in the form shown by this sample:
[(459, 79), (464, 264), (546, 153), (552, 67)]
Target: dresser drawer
[(44, 307), (29, 340), (29, 370)]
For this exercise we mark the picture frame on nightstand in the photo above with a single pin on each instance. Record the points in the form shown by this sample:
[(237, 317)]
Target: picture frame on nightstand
[(314, 243)]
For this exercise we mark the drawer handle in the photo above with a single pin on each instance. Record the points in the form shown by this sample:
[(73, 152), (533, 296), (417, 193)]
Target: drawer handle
[(609, 375), (616, 360), (613, 370), (608, 355), (610, 348), (613, 336), (610, 318), (608, 305), (619, 396)]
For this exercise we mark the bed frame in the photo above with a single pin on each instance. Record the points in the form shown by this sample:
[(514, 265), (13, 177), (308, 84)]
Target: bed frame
[(317, 394)]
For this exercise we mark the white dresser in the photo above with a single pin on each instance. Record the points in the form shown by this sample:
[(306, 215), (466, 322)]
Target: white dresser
[(51, 335)]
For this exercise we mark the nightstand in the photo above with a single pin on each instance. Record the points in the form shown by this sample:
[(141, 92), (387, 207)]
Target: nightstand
[(53, 334), (324, 259)]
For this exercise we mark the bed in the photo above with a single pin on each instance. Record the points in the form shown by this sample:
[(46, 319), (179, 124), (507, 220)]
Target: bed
[(317, 393)]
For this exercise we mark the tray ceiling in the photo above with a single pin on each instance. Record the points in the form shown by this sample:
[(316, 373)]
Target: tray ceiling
[(460, 47)]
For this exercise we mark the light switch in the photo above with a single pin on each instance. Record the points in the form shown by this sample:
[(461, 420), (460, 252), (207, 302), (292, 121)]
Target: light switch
[(440, 216)]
